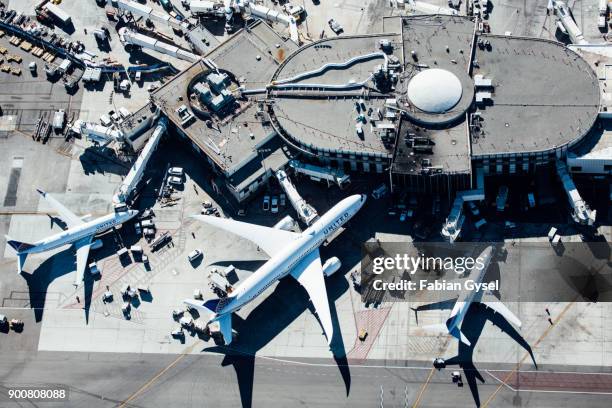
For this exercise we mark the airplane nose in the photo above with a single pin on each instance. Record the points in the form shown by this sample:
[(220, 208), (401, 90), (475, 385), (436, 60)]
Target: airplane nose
[(363, 198)]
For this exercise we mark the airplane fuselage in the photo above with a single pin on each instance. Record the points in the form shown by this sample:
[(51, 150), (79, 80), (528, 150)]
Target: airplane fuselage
[(78, 232), (282, 263), (463, 304)]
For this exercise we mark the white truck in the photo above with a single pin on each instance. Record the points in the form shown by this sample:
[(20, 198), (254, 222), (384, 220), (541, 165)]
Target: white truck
[(58, 13), (59, 119)]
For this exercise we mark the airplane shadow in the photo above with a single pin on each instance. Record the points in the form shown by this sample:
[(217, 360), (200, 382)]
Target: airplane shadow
[(472, 326), (39, 280), (60, 264), (265, 322)]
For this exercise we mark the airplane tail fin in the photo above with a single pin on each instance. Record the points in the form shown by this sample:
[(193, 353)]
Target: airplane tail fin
[(208, 307), (21, 258), (225, 326), (18, 246)]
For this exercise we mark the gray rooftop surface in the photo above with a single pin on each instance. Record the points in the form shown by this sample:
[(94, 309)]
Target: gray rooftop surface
[(233, 141), (545, 96), (326, 121), (451, 152)]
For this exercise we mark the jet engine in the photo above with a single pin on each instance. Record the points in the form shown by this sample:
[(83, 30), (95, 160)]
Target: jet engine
[(97, 244), (331, 266)]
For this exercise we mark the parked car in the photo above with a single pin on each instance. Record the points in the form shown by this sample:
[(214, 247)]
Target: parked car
[(193, 255), (175, 171), (266, 203), (283, 200), (175, 180), (274, 207), (335, 26), (206, 204), (210, 211)]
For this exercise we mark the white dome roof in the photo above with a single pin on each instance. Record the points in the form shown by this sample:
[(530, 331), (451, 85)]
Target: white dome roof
[(434, 90)]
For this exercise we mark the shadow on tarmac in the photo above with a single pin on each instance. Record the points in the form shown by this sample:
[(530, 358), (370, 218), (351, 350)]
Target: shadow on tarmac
[(265, 322), (472, 326)]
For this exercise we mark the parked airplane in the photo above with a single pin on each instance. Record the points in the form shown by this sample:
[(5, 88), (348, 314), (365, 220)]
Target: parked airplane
[(80, 233), (291, 253), (460, 305)]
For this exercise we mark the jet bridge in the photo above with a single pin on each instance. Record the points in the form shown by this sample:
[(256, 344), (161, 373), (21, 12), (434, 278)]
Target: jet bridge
[(305, 211), (99, 134), (273, 16), (317, 173), (426, 8), (145, 11), (581, 213), (454, 222), (127, 36), (134, 176), (562, 11)]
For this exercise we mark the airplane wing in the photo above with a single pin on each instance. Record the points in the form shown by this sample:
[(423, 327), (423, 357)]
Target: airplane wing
[(500, 308), (82, 247), (271, 240), (70, 218), (309, 273)]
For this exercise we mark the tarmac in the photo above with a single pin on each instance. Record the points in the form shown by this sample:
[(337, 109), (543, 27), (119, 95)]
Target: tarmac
[(280, 357)]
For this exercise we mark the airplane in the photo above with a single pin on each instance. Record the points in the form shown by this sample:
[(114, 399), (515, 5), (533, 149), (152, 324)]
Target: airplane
[(295, 254), (80, 232), (459, 307)]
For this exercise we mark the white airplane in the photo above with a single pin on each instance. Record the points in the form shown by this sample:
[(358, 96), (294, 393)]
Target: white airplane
[(460, 305), (80, 232), (290, 253)]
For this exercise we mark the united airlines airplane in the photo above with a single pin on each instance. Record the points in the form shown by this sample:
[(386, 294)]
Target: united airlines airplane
[(80, 233), (460, 305), (290, 254)]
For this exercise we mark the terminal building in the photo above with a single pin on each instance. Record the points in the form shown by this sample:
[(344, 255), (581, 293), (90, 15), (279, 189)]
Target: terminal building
[(429, 103)]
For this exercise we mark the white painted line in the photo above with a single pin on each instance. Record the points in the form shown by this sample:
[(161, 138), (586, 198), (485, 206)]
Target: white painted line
[(552, 391)]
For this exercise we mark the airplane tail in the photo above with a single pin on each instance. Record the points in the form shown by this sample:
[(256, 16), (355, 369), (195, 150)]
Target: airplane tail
[(19, 247), (209, 309)]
